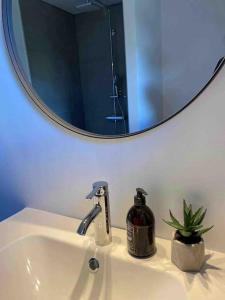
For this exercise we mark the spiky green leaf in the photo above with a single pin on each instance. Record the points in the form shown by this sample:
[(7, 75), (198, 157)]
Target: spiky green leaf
[(190, 211), (200, 219), (203, 231), (176, 226), (174, 220), (193, 228), (196, 216), (187, 211), (186, 208)]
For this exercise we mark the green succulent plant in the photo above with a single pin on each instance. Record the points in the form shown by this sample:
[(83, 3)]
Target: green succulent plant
[(192, 226)]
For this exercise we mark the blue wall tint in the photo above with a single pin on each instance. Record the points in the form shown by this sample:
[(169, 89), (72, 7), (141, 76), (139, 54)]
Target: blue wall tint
[(10, 202), (9, 205)]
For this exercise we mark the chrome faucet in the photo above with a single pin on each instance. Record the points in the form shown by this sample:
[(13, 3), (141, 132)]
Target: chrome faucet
[(99, 215)]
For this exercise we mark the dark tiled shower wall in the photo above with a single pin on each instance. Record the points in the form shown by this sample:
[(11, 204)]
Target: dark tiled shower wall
[(52, 55)]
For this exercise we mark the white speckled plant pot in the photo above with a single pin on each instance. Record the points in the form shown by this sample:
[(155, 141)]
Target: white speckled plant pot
[(188, 258)]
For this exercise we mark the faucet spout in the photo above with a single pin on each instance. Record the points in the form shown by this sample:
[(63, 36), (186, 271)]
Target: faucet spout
[(99, 215), (86, 222)]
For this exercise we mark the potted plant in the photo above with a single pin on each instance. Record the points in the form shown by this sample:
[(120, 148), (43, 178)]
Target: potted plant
[(188, 247)]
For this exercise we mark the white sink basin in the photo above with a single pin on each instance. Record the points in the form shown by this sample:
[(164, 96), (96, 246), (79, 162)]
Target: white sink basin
[(42, 258), (43, 268)]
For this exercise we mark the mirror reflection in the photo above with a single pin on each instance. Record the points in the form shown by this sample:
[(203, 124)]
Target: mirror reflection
[(114, 67)]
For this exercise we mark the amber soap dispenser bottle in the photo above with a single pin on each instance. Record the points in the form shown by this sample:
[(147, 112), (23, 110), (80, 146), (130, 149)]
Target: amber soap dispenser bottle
[(141, 228)]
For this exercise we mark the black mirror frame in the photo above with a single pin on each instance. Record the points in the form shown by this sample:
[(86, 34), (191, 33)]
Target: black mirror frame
[(10, 44)]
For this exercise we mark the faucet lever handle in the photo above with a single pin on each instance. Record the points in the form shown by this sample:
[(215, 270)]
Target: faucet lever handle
[(99, 189)]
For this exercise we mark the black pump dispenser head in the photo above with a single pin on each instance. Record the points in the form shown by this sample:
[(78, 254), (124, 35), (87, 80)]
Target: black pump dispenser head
[(139, 199)]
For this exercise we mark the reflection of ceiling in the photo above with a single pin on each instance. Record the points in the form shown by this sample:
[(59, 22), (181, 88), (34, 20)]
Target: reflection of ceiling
[(70, 5)]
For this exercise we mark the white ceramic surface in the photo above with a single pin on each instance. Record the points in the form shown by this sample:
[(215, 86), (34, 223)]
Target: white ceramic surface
[(41, 257)]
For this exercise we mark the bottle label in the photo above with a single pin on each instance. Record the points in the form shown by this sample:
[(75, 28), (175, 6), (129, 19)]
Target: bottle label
[(140, 240)]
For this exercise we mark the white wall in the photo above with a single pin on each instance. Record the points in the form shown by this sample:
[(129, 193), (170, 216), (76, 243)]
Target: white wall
[(43, 166), (184, 67)]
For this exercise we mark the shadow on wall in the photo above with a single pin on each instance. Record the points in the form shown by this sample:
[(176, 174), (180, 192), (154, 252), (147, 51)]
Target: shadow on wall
[(9, 201)]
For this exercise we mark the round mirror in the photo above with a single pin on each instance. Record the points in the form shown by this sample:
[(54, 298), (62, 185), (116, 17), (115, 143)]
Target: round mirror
[(112, 68)]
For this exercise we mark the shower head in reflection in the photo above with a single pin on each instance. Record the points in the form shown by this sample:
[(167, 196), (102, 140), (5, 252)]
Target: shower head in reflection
[(90, 3)]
